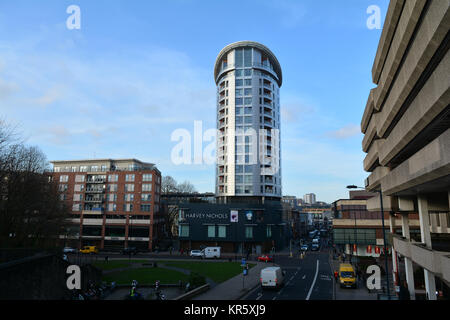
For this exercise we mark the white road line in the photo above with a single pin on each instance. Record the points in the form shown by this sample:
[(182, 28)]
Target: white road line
[(291, 278), (314, 281), (304, 277), (259, 296), (274, 298)]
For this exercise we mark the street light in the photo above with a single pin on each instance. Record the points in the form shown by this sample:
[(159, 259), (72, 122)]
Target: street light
[(384, 236)]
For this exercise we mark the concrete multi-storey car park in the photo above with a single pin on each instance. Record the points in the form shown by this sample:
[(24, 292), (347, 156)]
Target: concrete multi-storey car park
[(115, 203), (248, 78), (407, 135)]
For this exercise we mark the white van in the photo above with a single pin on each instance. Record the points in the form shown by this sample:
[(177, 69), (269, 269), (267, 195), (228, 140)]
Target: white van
[(211, 252), (315, 241), (272, 277)]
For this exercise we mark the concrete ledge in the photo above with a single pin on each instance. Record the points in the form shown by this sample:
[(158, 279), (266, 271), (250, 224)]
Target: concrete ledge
[(370, 133), (427, 40), (390, 24), (435, 261), (432, 99), (430, 163), (368, 111), (374, 180), (405, 28), (372, 155), (193, 293), (389, 203)]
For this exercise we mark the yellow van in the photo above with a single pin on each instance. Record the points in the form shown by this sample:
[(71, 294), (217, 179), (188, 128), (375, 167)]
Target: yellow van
[(89, 249), (347, 276)]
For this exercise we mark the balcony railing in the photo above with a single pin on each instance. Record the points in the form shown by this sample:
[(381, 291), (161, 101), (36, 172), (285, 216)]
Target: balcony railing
[(94, 200), (96, 180), (228, 67), (92, 190)]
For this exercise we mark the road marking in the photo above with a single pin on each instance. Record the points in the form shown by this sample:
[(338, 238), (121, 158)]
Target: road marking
[(304, 277), (274, 298), (259, 296), (325, 277), (314, 281), (291, 278)]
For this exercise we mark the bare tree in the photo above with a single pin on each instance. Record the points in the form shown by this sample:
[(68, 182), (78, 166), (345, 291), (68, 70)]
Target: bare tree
[(186, 187), (168, 185), (31, 211)]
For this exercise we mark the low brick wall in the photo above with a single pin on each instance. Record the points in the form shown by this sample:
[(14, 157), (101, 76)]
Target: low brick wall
[(40, 277)]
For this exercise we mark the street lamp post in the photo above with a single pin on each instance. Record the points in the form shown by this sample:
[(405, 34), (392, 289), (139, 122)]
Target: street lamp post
[(384, 236)]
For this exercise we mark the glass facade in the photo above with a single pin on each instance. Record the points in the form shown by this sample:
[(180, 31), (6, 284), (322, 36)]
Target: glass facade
[(254, 124)]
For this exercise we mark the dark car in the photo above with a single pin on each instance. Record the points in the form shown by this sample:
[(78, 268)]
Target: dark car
[(304, 247), (315, 247), (129, 251)]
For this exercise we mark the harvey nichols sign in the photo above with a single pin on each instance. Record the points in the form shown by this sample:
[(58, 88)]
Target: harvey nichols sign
[(223, 216)]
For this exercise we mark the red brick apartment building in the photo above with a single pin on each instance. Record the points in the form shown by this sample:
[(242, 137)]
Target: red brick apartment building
[(115, 203)]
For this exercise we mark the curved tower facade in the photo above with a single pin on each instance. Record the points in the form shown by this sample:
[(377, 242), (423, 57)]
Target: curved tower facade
[(248, 78)]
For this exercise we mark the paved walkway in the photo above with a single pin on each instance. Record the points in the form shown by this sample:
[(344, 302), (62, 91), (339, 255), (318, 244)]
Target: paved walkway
[(236, 287)]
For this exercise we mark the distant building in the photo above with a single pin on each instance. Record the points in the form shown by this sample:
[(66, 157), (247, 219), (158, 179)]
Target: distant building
[(294, 216), (309, 198), (115, 203), (359, 232)]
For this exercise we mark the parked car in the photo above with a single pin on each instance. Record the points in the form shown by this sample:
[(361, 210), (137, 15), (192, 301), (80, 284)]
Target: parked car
[(265, 258), (69, 250), (89, 249), (196, 253), (129, 251)]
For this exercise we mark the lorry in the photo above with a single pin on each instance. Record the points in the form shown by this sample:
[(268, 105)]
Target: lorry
[(272, 278), (211, 252)]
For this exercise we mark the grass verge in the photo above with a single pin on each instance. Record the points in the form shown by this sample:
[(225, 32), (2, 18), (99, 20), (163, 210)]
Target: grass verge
[(146, 276), (216, 271)]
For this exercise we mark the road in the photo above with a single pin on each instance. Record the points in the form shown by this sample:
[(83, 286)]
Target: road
[(310, 278)]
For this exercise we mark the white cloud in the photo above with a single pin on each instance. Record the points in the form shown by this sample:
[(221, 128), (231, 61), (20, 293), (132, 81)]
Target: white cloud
[(346, 132), (7, 89), (49, 97)]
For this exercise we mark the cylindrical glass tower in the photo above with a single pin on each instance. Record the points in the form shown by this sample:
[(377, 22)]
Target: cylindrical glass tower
[(248, 78)]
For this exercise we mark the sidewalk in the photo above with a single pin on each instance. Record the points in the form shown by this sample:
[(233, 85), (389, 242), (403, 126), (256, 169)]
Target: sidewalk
[(233, 289)]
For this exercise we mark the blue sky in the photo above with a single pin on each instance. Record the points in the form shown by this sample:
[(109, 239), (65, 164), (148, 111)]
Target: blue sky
[(138, 70)]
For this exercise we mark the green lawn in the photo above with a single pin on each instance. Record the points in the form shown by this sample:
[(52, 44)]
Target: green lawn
[(110, 265), (216, 271), (116, 264), (145, 276)]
